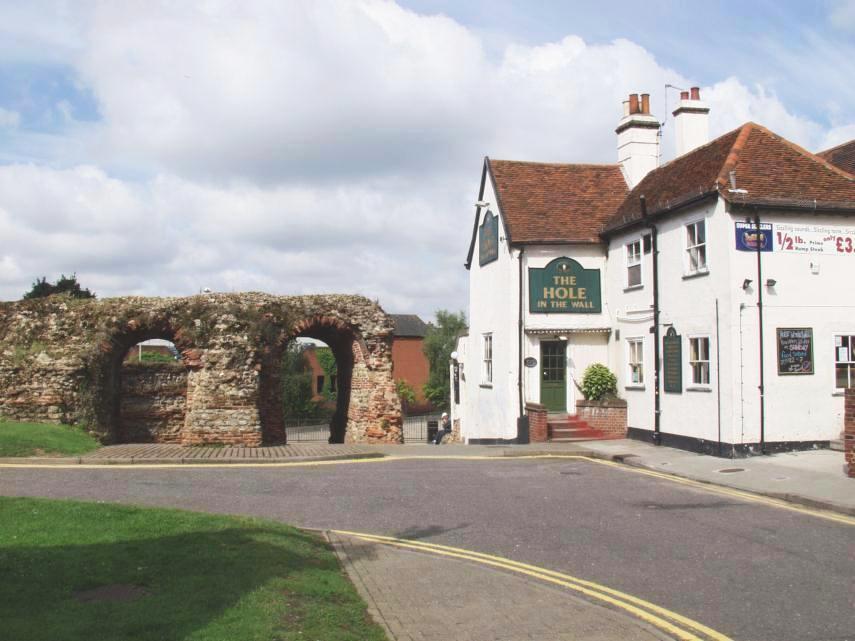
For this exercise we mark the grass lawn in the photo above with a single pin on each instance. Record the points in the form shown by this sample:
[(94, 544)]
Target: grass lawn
[(38, 439), (91, 571)]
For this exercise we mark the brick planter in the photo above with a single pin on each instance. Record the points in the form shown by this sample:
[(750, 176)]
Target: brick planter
[(538, 432), (606, 416), (849, 431)]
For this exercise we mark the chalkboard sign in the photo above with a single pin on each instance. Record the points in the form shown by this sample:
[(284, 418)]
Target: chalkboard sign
[(672, 361), (795, 350)]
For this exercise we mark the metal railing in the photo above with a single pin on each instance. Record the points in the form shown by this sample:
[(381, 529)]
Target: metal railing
[(415, 427), (304, 430), (317, 430)]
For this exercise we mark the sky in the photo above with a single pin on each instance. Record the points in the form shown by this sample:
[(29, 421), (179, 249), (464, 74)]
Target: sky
[(325, 146)]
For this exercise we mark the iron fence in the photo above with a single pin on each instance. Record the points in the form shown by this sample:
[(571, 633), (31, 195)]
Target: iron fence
[(307, 430), (304, 430), (415, 427)]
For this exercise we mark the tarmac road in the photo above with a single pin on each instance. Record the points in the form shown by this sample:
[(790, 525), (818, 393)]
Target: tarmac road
[(751, 571)]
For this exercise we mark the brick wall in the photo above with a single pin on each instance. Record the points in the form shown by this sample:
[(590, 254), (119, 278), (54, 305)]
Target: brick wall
[(606, 416), (538, 432), (849, 431), (410, 364), (153, 402)]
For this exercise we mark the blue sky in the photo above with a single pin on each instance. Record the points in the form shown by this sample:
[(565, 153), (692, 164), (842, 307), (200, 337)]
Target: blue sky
[(335, 145)]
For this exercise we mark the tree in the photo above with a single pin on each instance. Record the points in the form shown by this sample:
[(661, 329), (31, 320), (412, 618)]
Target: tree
[(438, 345), (297, 384), (65, 285), (326, 359)]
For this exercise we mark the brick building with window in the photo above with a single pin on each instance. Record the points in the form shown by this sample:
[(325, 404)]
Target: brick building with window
[(731, 264)]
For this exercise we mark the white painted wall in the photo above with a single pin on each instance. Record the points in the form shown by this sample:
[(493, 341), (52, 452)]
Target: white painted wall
[(798, 408), (583, 348), (801, 407), (490, 411)]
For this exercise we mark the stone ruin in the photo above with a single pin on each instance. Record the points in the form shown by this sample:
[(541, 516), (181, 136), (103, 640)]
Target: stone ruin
[(61, 361)]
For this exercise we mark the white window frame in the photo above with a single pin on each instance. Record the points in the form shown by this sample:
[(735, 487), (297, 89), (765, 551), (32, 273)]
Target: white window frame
[(851, 362), (699, 248), (634, 260), (635, 362), (696, 383), (487, 358)]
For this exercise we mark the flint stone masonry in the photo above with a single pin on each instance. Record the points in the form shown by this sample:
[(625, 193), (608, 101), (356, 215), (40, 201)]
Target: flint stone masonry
[(61, 361)]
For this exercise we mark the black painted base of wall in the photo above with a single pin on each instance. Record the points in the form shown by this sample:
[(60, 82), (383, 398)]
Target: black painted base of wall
[(724, 450), (492, 441)]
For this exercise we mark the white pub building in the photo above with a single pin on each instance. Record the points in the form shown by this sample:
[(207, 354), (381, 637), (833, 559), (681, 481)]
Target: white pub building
[(733, 265)]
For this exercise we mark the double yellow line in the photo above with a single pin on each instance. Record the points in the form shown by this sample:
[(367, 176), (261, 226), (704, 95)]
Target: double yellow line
[(676, 625)]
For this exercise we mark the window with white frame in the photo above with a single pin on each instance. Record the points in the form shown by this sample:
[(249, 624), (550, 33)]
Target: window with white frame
[(696, 247), (699, 359), (487, 368), (635, 361), (844, 361), (633, 264)]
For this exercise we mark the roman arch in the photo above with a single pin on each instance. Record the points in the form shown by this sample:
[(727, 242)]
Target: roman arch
[(61, 361)]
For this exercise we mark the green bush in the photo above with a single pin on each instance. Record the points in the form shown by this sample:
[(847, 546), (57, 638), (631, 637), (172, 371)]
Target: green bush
[(598, 382)]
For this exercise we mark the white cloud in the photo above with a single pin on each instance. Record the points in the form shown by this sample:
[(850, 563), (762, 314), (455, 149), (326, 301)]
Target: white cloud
[(842, 15), (309, 146), (9, 119)]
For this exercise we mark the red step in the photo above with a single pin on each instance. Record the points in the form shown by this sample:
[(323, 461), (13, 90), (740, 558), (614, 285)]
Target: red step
[(567, 428)]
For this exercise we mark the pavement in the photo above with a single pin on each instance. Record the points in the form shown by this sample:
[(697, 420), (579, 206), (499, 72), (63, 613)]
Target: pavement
[(417, 596), (417, 593)]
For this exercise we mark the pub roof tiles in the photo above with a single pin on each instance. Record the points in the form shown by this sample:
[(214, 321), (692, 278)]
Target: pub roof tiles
[(556, 203), (842, 156), (767, 170)]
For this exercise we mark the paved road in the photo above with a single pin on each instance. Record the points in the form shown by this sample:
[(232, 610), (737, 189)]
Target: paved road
[(751, 571)]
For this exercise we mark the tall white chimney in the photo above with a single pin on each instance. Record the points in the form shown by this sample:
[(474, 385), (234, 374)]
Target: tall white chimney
[(637, 139), (691, 121)]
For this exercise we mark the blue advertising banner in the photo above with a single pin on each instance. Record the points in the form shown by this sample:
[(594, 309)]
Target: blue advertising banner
[(747, 237)]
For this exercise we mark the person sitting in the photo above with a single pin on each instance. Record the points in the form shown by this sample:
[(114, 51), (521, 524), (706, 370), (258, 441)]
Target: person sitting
[(444, 428)]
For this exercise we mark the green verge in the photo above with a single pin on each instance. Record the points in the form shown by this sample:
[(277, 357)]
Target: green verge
[(197, 577), (37, 439)]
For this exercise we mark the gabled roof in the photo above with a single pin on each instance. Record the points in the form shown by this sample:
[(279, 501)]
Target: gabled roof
[(408, 325), (555, 203), (772, 171), (842, 156)]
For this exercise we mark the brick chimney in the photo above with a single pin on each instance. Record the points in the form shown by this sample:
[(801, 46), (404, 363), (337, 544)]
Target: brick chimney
[(637, 139), (691, 121)]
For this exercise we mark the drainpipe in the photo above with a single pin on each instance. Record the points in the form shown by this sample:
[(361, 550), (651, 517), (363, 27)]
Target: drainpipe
[(520, 331), (762, 386), (718, 373), (654, 250)]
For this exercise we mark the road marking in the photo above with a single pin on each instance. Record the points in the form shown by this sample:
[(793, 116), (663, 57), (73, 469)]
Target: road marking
[(699, 485), (679, 626)]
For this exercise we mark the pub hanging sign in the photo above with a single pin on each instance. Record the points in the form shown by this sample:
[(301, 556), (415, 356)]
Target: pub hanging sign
[(488, 239), (564, 287)]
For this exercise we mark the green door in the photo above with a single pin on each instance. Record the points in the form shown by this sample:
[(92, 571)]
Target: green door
[(553, 375)]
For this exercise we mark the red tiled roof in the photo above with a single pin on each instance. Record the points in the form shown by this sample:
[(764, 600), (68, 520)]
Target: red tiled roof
[(842, 156), (772, 170), (544, 203)]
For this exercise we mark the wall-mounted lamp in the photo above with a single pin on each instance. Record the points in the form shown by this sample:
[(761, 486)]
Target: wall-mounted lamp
[(746, 283), (771, 282), (454, 356), (482, 203)]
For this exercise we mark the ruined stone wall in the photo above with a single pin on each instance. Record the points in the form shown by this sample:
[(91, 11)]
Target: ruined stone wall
[(60, 360), (153, 403)]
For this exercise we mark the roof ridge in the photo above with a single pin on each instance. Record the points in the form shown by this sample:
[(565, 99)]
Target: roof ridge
[(735, 149), (557, 164), (835, 148), (805, 152)]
